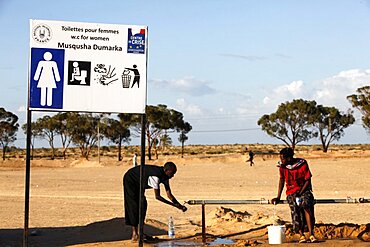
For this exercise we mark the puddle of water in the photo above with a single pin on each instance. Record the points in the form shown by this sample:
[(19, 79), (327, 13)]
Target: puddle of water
[(218, 241), (173, 243), (177, 243)]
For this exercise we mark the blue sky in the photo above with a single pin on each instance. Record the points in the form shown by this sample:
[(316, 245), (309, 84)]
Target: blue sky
[(223, 64)]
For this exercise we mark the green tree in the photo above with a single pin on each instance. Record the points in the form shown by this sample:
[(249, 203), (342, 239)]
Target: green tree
[(35, 133), (291, 122), (47, 129), (63, 127), (165, 140), (8, 129), (330, 124), (186, 128), (160, 120), (117, 132), (84, 133), (361, 101)]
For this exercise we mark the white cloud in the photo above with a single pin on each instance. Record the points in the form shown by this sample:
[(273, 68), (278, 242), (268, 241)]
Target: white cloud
[(332, 91), (188, 85), (22, 108), (283, 56), (295, 89), (266, 100), (188, 109), (246, 57)]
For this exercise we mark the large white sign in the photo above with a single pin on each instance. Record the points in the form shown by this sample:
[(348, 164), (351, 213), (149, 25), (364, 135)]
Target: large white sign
[(87, 67)]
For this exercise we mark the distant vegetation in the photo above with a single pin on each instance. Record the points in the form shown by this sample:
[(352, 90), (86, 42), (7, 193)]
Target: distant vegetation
[(361, 101), (190, 151), (301, 120), (293, 123)]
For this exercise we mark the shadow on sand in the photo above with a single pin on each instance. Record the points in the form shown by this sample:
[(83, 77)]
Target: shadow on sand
[(103, 231)]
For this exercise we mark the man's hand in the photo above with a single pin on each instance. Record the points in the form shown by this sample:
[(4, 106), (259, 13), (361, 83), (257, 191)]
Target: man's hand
[(275, 201), (183, 208)]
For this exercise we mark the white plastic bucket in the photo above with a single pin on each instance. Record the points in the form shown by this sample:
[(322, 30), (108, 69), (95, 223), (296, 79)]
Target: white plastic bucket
[(276, 234)]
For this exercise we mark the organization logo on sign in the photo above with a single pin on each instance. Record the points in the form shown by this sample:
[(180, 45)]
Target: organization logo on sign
[(42, 33), (136, 42)]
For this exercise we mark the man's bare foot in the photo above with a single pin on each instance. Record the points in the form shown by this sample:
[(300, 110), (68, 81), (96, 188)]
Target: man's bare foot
[(134, 238), (148, 237)]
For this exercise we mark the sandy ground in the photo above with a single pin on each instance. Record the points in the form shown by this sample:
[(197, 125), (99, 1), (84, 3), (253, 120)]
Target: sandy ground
[(80, 203)]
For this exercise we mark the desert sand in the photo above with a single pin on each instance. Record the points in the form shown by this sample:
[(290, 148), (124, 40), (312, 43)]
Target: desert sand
[(80, 203)]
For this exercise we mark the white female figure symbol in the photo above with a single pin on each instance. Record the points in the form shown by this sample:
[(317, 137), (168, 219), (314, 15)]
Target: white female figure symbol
[(47, 74)]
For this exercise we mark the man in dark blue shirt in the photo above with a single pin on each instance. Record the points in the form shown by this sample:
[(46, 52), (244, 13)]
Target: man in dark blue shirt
[(153, 177)]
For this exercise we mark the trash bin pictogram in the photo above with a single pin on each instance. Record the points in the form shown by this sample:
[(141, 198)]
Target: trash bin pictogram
[(126, 79)]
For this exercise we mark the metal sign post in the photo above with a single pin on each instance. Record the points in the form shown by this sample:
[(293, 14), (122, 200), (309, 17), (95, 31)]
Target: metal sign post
[(27, 179), (142, 189)]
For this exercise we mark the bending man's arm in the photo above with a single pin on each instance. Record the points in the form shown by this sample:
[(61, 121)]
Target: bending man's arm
[(173, 201)]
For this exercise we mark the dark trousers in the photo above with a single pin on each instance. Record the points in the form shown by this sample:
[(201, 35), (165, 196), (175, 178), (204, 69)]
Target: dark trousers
[(131, 193)]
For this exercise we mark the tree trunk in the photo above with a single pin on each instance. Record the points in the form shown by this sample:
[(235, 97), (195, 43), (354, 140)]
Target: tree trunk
[(149, 145), (323, 140), (149, 152), (83, 152), (119, 151), (4, 152), (155, 149), (293, 146), (32, 149), (64, 153), (182, 149), (51, 143), (88, 150), (64, 147), (325, 148)]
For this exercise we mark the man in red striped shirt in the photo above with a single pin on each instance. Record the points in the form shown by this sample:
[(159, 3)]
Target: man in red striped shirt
[(295, 173)]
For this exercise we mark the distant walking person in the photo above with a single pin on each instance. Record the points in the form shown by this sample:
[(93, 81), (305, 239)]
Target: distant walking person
[(153, 177), (47, 74), (134, 160), (295, 173), (251, 156)]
